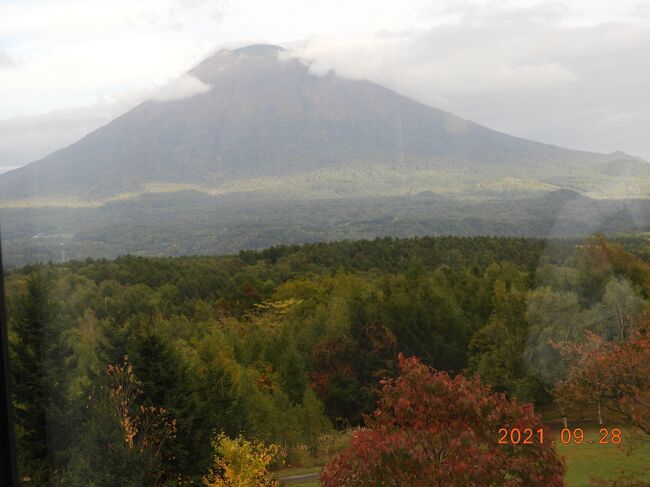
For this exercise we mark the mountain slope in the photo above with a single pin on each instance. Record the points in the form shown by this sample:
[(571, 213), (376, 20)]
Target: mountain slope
[(268, 125)]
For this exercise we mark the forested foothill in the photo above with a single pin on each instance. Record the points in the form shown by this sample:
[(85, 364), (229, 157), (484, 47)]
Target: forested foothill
[(161, 371)]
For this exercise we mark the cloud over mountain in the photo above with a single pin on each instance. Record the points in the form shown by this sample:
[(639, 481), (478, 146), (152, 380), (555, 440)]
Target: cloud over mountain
[(184, 87), (571, 73), (258, 120)]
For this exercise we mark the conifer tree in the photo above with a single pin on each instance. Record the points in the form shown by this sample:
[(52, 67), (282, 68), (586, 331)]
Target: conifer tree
[(41, 364)]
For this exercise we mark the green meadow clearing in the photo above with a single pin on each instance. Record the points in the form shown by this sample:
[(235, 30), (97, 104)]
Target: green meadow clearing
[(589, 461)]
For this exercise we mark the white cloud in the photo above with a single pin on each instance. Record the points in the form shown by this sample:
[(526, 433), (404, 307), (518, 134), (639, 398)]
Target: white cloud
[(432, 67), (75, 18), (5, 60), (563, 84), (642, 10), (29, 137), (184, 87), (80, 52)]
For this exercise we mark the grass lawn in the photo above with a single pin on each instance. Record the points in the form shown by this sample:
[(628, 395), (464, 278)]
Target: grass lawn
[(590, 460)]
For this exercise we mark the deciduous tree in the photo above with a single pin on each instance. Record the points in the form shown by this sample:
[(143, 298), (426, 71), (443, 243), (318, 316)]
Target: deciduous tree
[(614, 375), (434, 430)]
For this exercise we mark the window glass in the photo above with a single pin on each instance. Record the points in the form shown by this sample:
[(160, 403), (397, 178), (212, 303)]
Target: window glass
[(251, 244)]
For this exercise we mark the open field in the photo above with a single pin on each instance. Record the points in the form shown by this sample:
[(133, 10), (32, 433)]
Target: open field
[(592, 460)]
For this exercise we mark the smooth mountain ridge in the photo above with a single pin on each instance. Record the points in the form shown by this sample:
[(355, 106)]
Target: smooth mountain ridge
[(268, 125)]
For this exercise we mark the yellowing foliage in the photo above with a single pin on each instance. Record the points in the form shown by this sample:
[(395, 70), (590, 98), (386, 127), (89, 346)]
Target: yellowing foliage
[(242, 463)]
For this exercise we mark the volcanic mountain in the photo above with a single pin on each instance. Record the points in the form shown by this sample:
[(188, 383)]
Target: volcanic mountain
[(266, 124)]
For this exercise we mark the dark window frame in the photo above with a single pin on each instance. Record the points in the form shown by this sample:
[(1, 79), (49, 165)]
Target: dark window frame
[(8, 469)]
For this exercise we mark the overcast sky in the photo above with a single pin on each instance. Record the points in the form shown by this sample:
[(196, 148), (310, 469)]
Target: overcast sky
[(572, 73)]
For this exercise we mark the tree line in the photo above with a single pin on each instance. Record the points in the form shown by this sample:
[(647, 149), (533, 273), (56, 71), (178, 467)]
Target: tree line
[(131, 368)]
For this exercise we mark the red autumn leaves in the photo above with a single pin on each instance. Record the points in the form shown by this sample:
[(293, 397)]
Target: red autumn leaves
[(434, 430)]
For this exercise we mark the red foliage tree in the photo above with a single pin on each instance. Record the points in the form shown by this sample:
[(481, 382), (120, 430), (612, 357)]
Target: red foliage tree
[(434, 430), (613, 375)]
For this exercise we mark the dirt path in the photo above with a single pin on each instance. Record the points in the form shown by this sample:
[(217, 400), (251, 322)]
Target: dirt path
[(295, 479)]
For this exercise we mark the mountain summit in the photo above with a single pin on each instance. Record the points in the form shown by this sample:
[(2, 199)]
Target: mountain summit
[(266, 124)]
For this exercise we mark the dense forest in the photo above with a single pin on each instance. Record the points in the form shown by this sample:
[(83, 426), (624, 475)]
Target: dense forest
[(193, 223), (133, 368)]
